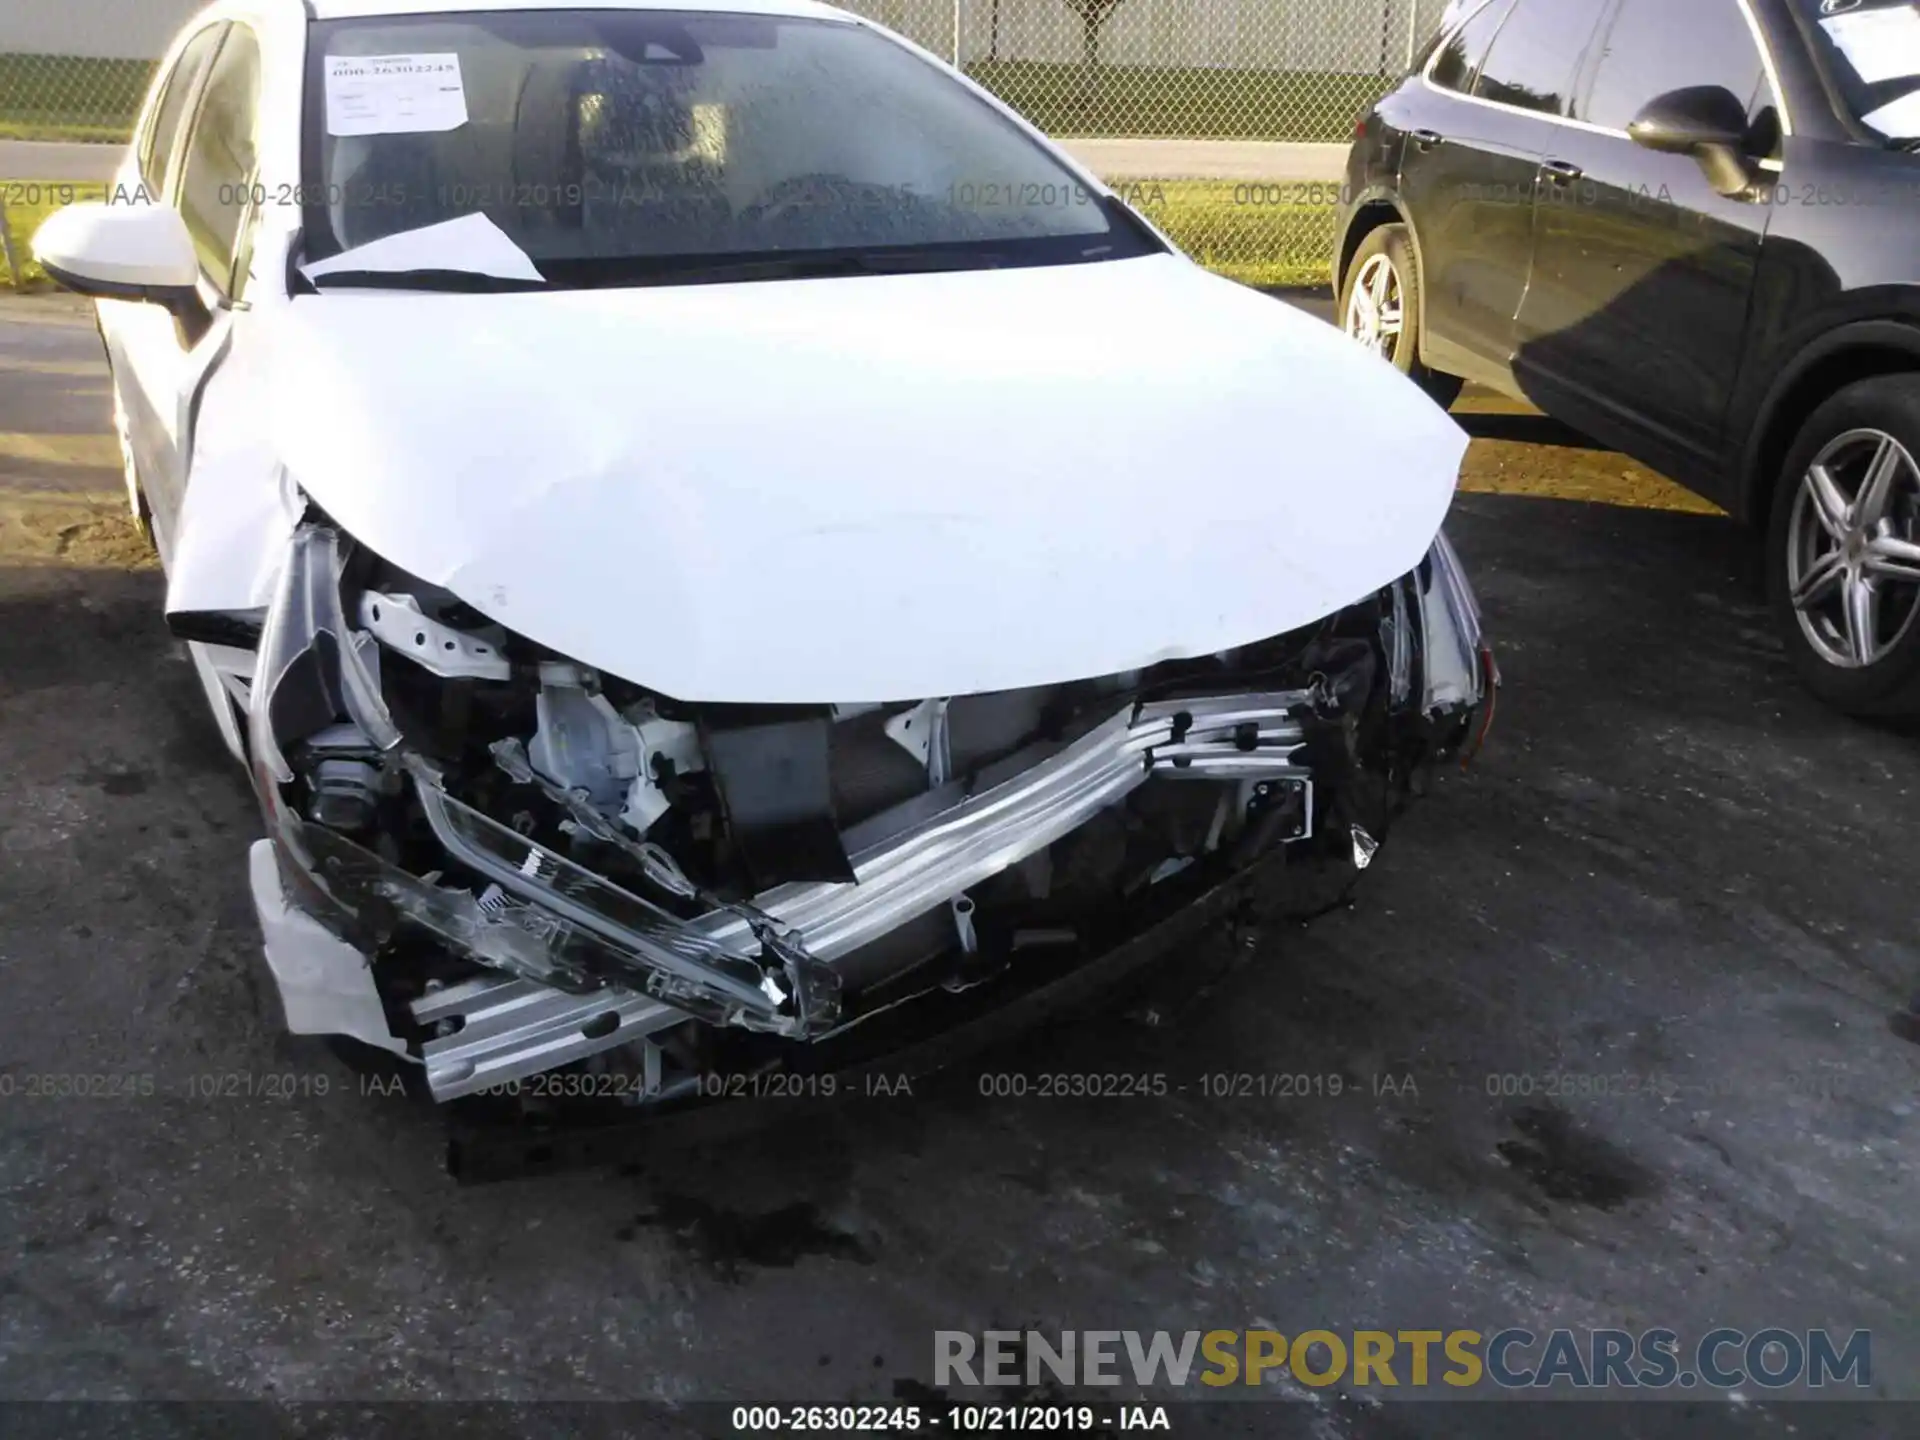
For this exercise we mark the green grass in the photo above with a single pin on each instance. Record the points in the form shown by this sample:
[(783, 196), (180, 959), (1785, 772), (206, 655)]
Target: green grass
[(1215, 221), (27, 203), (1223, 225), (69, 97), (1189, 102)]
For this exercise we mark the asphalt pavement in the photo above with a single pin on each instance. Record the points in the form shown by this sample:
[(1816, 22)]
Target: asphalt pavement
[(1627, 982)]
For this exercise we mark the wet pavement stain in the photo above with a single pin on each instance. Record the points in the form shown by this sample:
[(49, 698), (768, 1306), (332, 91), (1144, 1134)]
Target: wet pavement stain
[(1566, 1163), (730, 1243), (118, 782), (1906, 1023)]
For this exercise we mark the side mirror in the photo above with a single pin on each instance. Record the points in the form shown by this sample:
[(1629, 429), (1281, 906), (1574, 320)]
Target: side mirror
[(1682, 122), (121, 252), (1708, 122)]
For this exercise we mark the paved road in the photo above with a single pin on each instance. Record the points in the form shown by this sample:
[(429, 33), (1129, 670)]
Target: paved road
[(57, 160), (61, 492), (1669, 863)]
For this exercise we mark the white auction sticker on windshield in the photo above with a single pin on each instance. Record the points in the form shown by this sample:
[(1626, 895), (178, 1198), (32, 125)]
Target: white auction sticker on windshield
[(1879, 44), (394, 94)]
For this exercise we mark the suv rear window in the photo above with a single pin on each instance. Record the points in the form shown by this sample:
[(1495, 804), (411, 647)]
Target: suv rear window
[(1461, 53), (1532, 63)]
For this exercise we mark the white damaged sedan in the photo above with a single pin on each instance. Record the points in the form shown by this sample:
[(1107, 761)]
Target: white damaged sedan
[(723, 550)]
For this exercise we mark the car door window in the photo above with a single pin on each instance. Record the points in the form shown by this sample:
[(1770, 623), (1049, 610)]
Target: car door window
[(1654, 46), (160, 151), (1534, 57), (1460, 54), (1860, 48), (219, 164)]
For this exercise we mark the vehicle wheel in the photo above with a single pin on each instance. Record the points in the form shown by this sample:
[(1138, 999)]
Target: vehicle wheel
[(1380, 307), (1843, 549)]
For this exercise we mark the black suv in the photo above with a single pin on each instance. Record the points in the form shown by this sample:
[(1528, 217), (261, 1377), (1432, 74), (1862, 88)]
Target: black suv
[(1691, 229)]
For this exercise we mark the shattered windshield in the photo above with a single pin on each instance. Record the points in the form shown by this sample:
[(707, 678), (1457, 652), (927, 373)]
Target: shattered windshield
[(1873, 51), (600, 142)]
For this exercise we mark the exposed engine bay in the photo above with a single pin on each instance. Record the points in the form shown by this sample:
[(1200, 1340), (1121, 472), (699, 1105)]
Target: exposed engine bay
[(501, 863)]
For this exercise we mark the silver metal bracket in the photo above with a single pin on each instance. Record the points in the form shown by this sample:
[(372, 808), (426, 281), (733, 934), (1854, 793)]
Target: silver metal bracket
[(922, 733)]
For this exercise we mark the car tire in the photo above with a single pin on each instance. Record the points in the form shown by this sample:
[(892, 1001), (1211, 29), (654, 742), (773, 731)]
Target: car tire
[(1843, 549), (1384, 265)]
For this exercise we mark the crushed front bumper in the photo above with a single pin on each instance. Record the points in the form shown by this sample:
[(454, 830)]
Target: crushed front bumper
[(576, 965), (922, 864), (873, 1064)]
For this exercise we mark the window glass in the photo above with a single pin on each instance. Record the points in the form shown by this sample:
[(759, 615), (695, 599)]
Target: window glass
[(613, 142), (220, 155), (1872, 51), (1463, 51), (1655, 46), (1534, 56), (156, 163)]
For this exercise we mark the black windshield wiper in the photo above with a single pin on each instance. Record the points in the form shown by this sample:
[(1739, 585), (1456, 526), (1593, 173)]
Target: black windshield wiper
[(802, 266), (909, 262), (453, 282)]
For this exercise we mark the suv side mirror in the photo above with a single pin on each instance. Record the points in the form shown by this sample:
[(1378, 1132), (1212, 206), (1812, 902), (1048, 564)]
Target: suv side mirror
[(1708, 122), (121, 252)]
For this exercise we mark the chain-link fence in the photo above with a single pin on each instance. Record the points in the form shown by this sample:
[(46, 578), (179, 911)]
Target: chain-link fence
[(1205, 112), (1256, 81), (77, 69), (1294, 70)]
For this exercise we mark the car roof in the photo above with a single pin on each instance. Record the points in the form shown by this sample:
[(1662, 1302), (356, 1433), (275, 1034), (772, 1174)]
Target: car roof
[(354, 9)]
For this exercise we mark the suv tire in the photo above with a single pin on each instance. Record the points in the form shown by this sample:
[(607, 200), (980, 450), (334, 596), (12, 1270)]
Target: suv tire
[(1843, 549), (1380, 307)]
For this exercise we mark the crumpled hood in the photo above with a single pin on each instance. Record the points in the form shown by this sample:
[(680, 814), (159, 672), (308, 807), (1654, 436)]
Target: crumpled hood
[(878, 488)]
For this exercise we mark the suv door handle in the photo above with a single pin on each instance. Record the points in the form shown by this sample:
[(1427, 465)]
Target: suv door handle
[(1561, 172), (1425, 139)]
